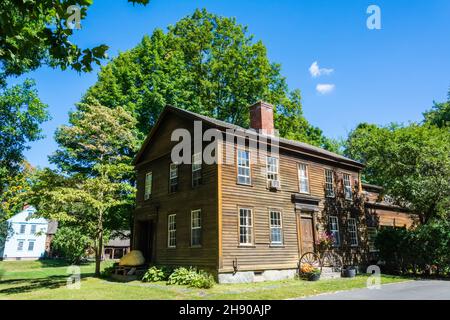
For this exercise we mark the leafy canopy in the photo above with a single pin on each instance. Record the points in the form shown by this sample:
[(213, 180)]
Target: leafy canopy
[(33, 32), (207, 64)]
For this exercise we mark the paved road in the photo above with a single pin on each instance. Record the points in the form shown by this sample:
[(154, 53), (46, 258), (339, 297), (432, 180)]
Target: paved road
[(411, 290)]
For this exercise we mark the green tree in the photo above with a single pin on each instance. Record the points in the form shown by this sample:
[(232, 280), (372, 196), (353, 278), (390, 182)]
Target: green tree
[(439, 115), (72, 243), (411, 162), (91, 188), (207, 64), (33, 32)]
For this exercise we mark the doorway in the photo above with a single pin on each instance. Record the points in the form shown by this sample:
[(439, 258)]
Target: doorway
[(144, 239), (307, 236)]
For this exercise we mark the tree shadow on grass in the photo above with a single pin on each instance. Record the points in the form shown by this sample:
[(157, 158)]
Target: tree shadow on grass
[(29, 285)]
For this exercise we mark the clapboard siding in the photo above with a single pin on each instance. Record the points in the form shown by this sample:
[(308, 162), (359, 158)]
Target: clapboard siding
[(260, 199)]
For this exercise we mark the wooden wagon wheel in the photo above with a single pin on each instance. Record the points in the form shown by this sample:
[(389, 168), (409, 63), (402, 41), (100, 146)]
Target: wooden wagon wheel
[(312, 259), (333, 260)]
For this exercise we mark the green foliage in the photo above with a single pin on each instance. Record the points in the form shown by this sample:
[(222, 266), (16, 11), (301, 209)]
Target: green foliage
[(71, 243), (92, 188), (155, 274), (411, 162), (422, 249), (207, 64), (34, 32), (439, 115), (21, 114), (191, 277), (108, 271)]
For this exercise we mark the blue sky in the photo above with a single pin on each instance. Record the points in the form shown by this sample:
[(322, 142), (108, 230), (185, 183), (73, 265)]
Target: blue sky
[(379, 76)]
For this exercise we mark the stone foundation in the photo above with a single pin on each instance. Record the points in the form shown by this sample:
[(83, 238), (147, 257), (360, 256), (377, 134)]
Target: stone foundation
[(252, 276)]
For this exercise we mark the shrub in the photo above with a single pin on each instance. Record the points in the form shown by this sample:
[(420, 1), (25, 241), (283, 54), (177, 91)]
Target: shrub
[(191, 277), (108, 271), (155, 274), (72, 243)]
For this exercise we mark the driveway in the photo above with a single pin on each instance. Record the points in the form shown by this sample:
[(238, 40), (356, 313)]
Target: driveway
[(411, 290)]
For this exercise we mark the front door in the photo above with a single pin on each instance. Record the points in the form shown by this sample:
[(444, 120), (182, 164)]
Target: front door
[(144, 235), (307, 234)]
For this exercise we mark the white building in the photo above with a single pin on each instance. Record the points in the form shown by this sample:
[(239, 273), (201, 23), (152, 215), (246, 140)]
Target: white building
[(26, 238)]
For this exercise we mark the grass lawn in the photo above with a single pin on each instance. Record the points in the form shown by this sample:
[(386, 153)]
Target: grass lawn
[(47, 280)]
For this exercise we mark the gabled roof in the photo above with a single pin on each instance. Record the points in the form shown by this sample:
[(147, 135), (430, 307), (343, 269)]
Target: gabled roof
[(297, 146)]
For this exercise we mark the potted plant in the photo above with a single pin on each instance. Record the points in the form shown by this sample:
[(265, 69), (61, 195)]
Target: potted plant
[(324, 242), (309, 272), (349, 272)]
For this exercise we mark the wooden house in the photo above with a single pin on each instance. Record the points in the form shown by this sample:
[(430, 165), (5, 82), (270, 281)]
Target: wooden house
[(251, 214)]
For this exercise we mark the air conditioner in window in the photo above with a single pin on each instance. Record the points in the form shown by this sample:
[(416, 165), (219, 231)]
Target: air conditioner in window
[(274, 185)]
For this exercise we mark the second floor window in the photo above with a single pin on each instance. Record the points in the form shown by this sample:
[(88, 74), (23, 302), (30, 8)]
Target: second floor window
[(303, 178), (347, 186), (272, 168), (171, 231), (334, 230), (196, 228), (22, 228), (276, 231), (173, 177), (329, 183), (33, 229), (245, 226), (243, 174), (196, 169), (148, 185), (353, 232)]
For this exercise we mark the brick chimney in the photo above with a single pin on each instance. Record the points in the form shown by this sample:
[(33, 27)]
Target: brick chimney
[(261, 117)]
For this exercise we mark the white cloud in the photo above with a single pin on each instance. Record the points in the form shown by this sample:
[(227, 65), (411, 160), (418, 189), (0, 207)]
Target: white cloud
[(316, 71), (324, 88)]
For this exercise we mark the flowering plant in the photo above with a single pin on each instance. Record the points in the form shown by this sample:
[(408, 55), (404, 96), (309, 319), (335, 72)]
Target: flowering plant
[(325, 241), (307, 269)]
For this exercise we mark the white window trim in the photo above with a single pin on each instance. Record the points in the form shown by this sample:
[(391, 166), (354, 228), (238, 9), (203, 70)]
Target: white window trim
[(24, 228), (173, 165), (333, 231), (195, 228), (20, 241), (148, 185), (353, 231), (169, 231), (277, 166), (28, 248), (346, 177), (372, 248), (249, 167), (196, 166), (276, 243), (248, 227), (300, 178), (333, 193), (31, 229)]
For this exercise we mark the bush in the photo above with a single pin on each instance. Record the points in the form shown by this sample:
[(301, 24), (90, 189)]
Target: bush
[(417, 250), (191, 277), (155, 274), (108, 271), (72, 243)]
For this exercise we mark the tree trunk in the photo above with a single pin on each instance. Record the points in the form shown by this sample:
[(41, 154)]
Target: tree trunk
[(98, 254)]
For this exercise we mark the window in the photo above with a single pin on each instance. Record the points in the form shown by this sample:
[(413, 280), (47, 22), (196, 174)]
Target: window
[(30, 214), (276, 231), (33, 229), (303, 178), (245, 226), (371, 236), (272, 168), (196, 169), (353, 232), (30, 245), (20, 245), (148, 185), (196, 228), (173, 177), (347, 187), (329, 183), (334, 230), (172, 231), (243, 167), (22, 228)]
